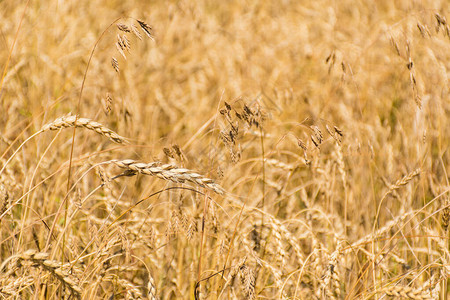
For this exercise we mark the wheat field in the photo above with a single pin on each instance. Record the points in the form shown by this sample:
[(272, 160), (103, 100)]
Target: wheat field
[(224, 149)]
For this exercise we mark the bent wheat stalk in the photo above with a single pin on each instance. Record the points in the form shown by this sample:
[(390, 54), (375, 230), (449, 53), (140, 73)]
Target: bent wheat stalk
[(72, 121), (169, 172), (54, 267)]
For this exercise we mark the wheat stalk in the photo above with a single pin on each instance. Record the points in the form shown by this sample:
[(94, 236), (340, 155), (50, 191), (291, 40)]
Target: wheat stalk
[(146, 28), (4, 196), (12, 287), (151, 288), (74, 121), (373, 236), (248, 281), (54, 267), (330, 282), (406, 292), (132, 291), (169, 172), (446, 213)]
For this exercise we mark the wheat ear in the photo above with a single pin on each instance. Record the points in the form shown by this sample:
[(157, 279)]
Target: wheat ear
[(406, 292), (54, 267), (71, 121), (74, 121), (169, 172)]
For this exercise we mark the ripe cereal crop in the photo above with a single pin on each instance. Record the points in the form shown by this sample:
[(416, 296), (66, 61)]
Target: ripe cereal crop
[(224, 149)]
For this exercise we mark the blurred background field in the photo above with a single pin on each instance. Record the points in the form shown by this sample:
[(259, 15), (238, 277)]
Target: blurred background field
[(326, 123)]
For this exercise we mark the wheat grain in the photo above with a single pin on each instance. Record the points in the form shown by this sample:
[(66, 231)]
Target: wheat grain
[(146, 28), (120, 46), (126, 43), (108, 103), (123, 27), (115, 64), (135, 31)]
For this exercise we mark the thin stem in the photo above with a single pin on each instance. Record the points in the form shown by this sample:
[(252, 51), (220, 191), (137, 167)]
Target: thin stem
[(76, 117), (263, 179), (12, 47), (17, 150), (201, 241)]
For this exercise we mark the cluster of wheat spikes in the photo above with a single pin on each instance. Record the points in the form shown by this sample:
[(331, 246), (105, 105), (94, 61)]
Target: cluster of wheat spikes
[(235, 150)]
